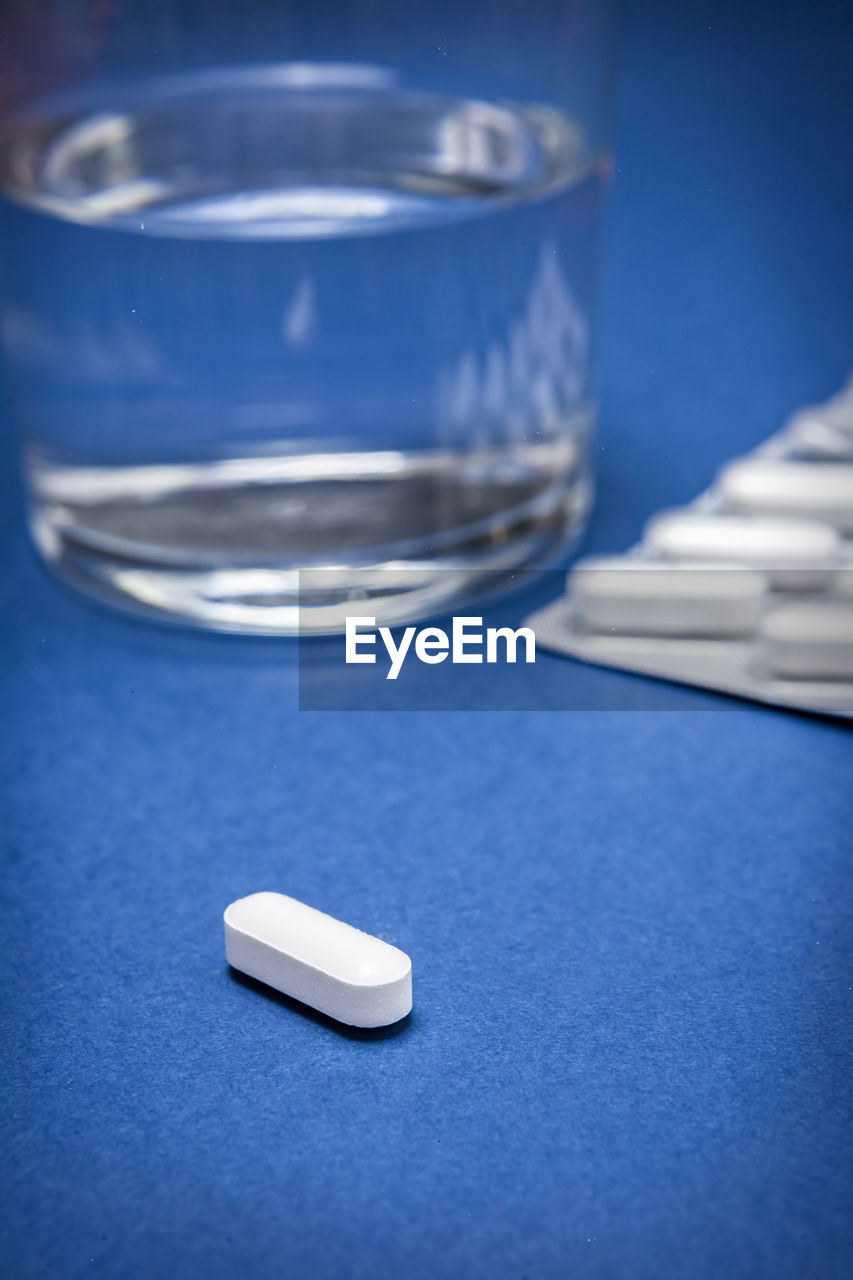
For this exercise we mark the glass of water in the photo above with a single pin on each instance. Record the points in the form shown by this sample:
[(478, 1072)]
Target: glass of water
[(293, 288)]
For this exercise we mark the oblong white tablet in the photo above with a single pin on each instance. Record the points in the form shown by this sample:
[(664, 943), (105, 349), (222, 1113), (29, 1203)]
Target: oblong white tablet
[(349, 975), (633, 597), (795, 554), (822, 432), (833, 415), (819, 490), (808, 640)]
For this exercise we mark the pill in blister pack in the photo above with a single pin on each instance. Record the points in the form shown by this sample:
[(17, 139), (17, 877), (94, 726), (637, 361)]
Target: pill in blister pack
[(633, 597), (749, 590), (764, 486), (823, 430), (808, 640), (797, 554)]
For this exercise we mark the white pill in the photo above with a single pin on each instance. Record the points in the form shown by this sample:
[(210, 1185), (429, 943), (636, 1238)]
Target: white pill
[(795, 554), (632, 597), (808, 640), (347, 974), (820, 490), (821, 433), (835, 414)]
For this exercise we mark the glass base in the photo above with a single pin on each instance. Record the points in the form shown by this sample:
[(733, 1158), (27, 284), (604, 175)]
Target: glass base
[(212, 547)]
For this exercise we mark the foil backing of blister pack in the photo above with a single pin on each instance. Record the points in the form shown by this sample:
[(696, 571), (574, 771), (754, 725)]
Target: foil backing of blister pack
[(748, 590)]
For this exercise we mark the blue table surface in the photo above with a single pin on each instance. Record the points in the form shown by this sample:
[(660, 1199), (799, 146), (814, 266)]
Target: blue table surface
[(630, 1054)]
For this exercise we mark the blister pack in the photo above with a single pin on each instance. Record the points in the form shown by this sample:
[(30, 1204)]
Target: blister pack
[(748, 590)]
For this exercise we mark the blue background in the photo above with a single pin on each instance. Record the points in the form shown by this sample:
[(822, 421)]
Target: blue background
[(630, 1054)]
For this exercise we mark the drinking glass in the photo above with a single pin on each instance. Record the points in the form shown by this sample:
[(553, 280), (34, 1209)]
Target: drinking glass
[(294, 288)]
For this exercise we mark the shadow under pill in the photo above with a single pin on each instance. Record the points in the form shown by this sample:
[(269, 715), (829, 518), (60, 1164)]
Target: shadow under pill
[(314, 1015)]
